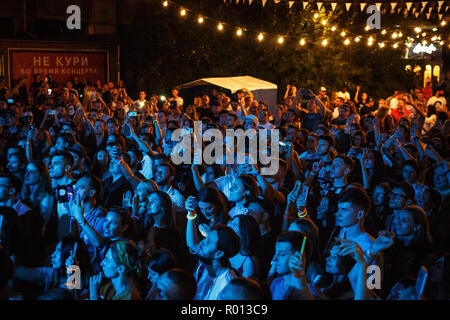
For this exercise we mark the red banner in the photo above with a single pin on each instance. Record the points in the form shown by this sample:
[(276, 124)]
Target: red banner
[(63, 65)]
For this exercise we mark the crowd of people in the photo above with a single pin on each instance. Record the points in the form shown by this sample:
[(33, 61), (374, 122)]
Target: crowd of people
[(92, 207)]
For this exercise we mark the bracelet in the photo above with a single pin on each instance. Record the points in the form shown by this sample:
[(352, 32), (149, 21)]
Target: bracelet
[(285, 216), (303, 214), (82, 223), (190, 216)]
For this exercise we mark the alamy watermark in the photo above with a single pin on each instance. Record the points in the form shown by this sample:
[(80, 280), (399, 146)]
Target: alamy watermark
[(74, 20), (374, 21), (73, 277)]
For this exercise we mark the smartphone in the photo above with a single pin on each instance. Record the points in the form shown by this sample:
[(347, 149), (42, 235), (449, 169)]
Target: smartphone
[(421, 281), (51, 112), (65, 194), (10, 100), (49, 91), (303, 196), (132, 114)]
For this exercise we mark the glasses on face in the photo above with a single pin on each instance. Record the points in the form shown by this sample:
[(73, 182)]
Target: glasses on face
[(395, 195)]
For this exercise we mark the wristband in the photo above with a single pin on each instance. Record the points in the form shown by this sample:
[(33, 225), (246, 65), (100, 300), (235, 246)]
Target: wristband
[(191, 216), (303, 214), (285, 216)]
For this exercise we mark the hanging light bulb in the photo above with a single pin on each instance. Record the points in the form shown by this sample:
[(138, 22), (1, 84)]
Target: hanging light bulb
[(200, 20), (395, 45), (424, 34), (381, 45), (347, 42), (316, 15), (443, 23), (260, 37), (400, 35), (417, 29), (183, 12), (165, 3), (394, 35), (333, 28), (343, 33), (220, 26), (367, 28), (324, 42), (357, 39), (280, 40), (302, 42), (383, 32), (239, 32), (323, 22)]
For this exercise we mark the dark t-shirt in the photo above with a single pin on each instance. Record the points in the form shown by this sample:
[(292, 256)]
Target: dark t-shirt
[(113, 191), (310, 121)]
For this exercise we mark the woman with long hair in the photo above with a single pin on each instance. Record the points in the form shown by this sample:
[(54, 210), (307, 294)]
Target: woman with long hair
[(36, 190), (409, 245), (243, 192), (122, 267), (245, 262), (69, 251), (157, 228)]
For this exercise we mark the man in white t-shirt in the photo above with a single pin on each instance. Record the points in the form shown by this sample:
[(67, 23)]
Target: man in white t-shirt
[(213, 272), (176, 97), (438, 97)]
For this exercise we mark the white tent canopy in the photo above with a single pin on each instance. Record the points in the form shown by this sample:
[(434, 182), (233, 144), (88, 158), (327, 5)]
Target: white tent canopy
[(261, 89), (232, 83)]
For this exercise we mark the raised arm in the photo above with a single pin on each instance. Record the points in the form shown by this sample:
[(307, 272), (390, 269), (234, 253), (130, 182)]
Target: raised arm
[(77, 209), (192, 240)]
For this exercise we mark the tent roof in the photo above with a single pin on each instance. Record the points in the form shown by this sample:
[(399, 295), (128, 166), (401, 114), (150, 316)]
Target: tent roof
[(232, 83)]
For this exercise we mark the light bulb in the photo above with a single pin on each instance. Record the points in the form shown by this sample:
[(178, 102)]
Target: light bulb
[(260, 37), (280, 40), (302, 42), (183, 12), (324, 42), (220, 27), (201, 20)]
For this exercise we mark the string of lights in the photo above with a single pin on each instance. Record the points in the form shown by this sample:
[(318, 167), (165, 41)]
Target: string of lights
[(394, 38)]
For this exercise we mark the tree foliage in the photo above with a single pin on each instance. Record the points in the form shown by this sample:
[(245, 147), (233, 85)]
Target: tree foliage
[(163, 50)]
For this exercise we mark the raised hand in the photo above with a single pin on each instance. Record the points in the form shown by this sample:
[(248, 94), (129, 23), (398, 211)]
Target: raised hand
[(191, 203), (94, 286), (297, 265), (126, 199), (351, 248), (292, 196), (384, 241), (76, 206)]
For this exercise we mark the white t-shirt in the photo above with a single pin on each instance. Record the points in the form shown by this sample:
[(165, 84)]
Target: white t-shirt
[(393, 104), (147, 167), (434, 99), (209, 288), (179, 100)]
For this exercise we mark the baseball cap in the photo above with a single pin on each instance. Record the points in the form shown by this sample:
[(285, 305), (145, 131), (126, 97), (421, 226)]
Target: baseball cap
[(323, 89), (28, 114)]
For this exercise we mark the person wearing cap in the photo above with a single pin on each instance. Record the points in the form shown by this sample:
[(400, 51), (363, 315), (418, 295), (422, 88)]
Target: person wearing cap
[(323, 94), (344, 113), (27, 118)]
